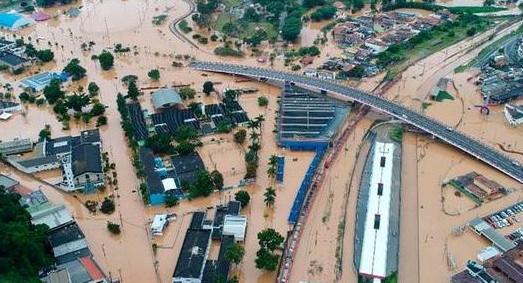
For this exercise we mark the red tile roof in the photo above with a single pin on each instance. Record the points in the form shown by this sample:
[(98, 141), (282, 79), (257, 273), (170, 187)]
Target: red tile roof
[(92, 268)]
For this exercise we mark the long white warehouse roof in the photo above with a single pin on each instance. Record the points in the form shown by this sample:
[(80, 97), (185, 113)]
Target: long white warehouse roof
[(373, 261)]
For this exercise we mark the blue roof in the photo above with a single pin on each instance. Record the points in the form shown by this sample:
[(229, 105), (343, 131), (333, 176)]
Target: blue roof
[(9, 19)]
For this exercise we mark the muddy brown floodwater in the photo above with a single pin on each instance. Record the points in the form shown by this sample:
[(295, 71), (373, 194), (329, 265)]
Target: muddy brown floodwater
[(129, 257), (429, 163)]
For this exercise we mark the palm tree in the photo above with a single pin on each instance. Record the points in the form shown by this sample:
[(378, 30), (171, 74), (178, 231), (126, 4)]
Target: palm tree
[(271, 172), (251, 125), (273, 160), (254, 137), (270, 196), (259, 119), (254, 147)]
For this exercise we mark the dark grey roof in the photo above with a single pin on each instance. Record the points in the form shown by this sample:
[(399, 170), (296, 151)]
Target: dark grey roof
[(65, 144), (4, 43), (192, 255), (86, 158), (65, 234), (187, 162), (11, 59), (185, 166), (197, 220), (153, 180), (38, 161), (7, 182), (7, 104), (90, 136), (73, 255), (233, 208), (218, 268), (511, 269), (515, 111), (77, 271), (59, 145)]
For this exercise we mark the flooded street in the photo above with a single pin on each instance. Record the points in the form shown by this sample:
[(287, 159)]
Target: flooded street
[(129, 257)]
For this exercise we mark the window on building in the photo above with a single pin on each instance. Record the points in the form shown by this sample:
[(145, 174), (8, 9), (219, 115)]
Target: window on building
[(380, 189), (377, 218)]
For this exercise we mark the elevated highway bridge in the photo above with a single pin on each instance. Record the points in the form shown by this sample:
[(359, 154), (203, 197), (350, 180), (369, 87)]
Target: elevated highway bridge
[(446, 133)]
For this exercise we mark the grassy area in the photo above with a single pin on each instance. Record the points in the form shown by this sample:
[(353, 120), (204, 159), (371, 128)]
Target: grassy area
[(476, 9), (425, 105), (442, 95), (245, 29), (432, 7), (232, 3), (396, 134), (461, 68)]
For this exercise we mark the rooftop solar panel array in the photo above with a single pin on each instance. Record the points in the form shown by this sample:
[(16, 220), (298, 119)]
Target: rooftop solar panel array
[(170, 120), (138, 121), (304, 115)]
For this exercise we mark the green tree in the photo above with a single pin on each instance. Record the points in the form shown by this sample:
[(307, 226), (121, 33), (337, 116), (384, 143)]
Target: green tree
[(129, 78), (24, 249), (52, 92), (292, 26), (93, 89), (263, 101), (271, 172), (132, 91), (202, 186), (170, 200), (266, 260), (208, 87), (312, 3), (472, 31), (251, 15), (270, 196), (160, 144), (45, 55), (102, 120), (239, 136), (243, 197), (185, 133), (230, 95), (269, 239), (356, 72), (74, 69), (187, 93), (77, 101), (45, 133), (107, 206), (98, 109), (234, 253), (113, 228), (154, 74), (106, 60), (217, 178)]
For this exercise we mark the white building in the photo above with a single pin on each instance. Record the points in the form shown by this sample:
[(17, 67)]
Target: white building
[(235, 225), (514, 114), (159, 223)]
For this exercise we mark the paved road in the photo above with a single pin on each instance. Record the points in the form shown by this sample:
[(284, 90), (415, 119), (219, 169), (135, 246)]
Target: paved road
[(468, 144), (173, 26)]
